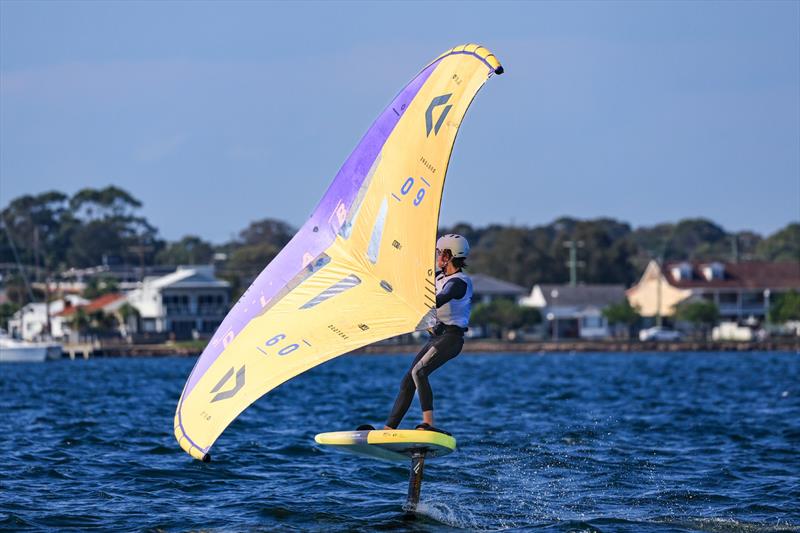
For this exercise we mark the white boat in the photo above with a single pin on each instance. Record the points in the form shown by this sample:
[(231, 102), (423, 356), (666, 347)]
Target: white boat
[(19, 351)]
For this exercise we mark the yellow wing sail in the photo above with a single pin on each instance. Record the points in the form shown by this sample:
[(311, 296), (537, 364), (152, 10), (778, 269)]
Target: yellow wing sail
[(359, 271)]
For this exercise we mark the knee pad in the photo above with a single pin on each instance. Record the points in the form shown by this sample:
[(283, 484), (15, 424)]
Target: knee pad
[(419, 372)]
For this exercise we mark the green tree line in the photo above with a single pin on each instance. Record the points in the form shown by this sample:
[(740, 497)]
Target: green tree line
[(51, 232)]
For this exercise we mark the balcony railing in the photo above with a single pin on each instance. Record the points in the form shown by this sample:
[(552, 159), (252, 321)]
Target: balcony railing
[(211, 310), (203, 310), (745, 310)]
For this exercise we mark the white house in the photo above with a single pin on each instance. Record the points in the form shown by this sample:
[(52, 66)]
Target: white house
[(30, 322), (186, 302), (575, 311)]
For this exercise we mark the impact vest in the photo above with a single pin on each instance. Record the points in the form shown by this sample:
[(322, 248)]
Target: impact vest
[(455, 312)]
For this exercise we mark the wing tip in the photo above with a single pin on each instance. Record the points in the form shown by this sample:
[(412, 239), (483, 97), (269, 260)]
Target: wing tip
[(481, 52), (187, 445)]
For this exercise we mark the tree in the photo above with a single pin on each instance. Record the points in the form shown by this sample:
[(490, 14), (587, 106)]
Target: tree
[(537, 255), (247, 262), (256, 246), (37, 227), (125, 313), (518, 255), (97, 287), (622, 313), (786, 308), (107, 226), (79, 321), (606, 252), (529, 316), (783, 245), (102, 322), (502, 314), (190, 250), (7, 310), (266, 231), (17, 290), (699, 313), (103, 204), (694, 239)]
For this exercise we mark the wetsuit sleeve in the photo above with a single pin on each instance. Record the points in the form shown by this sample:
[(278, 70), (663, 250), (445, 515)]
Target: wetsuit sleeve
[(453, 290)]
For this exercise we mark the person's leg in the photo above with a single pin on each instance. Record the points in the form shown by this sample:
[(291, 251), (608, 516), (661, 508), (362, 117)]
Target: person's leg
[(406, 393), (446, 347)]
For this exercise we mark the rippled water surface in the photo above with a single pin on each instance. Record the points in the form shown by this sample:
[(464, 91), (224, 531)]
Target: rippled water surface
[(604, 442)]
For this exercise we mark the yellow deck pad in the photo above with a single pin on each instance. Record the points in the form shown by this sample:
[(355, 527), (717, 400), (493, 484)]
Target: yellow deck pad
[(389, 444)]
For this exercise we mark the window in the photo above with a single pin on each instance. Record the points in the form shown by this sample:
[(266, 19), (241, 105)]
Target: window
[(714, 271), (682, 271), (211, 304), (592, 321), (728, 298), (176, 304), (753, 298)]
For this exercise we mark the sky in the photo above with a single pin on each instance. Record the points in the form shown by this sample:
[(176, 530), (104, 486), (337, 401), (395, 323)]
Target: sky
[(216, 114)]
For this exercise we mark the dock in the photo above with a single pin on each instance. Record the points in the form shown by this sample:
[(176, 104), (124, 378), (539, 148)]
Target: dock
[(99, 349)]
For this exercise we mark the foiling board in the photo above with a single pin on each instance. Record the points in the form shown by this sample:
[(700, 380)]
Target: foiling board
[(389, 444)]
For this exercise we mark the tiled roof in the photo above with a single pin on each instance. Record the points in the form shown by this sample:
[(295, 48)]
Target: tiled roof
[(745, 275), (97, 304)]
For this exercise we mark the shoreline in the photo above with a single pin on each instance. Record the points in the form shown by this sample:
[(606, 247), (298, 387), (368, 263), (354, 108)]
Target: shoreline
[(471, 346)]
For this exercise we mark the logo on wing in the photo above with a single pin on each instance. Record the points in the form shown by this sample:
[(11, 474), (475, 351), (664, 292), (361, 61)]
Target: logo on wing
[(436, 102), (230, 393)]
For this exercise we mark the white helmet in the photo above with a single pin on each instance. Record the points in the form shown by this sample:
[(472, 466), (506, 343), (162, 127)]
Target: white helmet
[(458, 245)]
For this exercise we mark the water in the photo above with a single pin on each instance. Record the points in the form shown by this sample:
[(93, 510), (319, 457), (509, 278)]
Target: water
[(603, 442)]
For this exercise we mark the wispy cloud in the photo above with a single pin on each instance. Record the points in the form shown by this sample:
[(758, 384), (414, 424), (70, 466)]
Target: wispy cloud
[(160, 148)]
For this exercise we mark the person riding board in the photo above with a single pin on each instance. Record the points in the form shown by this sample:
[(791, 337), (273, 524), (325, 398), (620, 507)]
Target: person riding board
[(453, 304)]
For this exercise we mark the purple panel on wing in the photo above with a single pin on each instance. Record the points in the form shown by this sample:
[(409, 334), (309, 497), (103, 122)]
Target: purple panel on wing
[(316, 235)]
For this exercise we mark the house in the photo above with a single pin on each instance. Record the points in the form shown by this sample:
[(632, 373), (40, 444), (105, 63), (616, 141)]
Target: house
[(188, 302), (739, 290), (486, 289), (108, 304), (30, 322), (575, 311)]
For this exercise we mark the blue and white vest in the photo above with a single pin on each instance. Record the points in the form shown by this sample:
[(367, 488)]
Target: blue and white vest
[(455, 312)]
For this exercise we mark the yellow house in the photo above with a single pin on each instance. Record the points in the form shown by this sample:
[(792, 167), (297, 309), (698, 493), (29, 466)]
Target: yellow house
[(654, 292), (739, 290)]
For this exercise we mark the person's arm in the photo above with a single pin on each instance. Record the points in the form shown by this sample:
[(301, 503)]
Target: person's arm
[(453, 290)]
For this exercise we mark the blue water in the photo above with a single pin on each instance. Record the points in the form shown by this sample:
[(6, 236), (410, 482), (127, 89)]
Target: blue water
[(603, 442)]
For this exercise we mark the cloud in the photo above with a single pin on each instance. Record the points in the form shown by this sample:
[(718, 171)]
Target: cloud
[(160, 148)]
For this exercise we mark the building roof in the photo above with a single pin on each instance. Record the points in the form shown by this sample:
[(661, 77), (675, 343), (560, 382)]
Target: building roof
[(582, 295), (101, 303), (744, 275), (483, 284), (186, 277)]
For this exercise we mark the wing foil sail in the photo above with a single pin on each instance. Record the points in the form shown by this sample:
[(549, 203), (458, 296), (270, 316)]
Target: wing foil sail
[(360, 270)]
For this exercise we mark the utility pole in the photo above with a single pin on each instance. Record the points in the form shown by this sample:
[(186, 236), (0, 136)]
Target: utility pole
[(37, 258), (140, 249), (16, 257), (573, 262), (660, 262)]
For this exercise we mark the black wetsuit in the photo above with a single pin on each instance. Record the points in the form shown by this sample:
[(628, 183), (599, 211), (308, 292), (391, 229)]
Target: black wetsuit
[(445, 344)]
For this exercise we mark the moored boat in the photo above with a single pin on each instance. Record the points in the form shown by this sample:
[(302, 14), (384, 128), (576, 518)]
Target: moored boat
[(20, 351)]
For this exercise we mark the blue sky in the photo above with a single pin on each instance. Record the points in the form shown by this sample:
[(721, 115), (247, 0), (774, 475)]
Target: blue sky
[(217, 114)]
